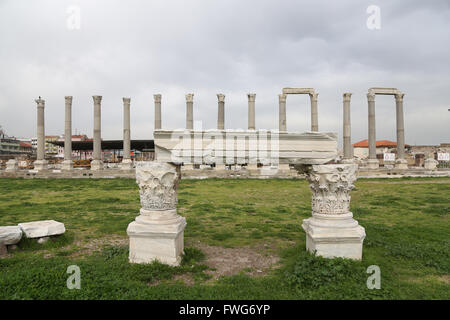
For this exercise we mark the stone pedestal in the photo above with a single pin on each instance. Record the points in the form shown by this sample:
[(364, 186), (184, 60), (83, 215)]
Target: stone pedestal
[(127, 164), (373, 164), (220, 167), (332, 231), (67, 165), (158, 232), (430, 164), (40, 165), (188, 167), (12, 165), (97, 165), (401, 164), (252, 166), (284, 167)]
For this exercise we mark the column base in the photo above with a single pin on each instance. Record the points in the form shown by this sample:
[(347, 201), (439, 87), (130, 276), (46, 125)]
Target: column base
[(157, 235), (187, 167), (252, 166), (284, 167), (348, 161), (401, 164), (97, 165), (334, 235), (430, 164), (373, 163), (220, 167), (127, 164), (12, 165), (40, 165), (67, 165)]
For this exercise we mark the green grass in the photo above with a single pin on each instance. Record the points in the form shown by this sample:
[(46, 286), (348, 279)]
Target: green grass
[(406, 222)]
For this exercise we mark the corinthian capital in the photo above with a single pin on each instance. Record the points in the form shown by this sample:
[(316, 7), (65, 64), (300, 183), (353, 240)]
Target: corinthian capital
[(126, 100), (313, 96), (347, 96), (97, 99), (158, 183), (40, 102), (371, 96), (157, 97), (190, 97), (399, 97), (221, 97), (331, 185), (251, 97), (68, 99), (282, 97)]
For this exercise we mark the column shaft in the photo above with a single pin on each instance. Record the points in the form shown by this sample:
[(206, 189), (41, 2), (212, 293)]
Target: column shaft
[(68, 129), (282, 112), (348, 154), (190, 111), (157, 98), (126, 129), (400, 126), (251, 111), (372, 130), (40, 129), (314, 112), (97, 152), (221, 112)]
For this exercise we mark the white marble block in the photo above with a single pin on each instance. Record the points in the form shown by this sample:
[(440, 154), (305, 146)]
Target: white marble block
[(97, 165), (10, 235), (332, 231), (12, 165), (127, 164), (40, 165), (430, 164), (158, 232), (44, 228), (67, 165)]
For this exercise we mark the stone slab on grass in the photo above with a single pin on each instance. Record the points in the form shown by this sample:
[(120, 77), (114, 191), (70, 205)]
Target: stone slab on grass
[(45, 228), (10, 235)]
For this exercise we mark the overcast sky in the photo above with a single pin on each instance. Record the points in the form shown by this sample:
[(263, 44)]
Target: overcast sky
[(139, 48)]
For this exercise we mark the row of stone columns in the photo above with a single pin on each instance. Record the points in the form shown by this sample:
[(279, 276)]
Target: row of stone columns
[(220, 113), (96, 163), (314, 111)]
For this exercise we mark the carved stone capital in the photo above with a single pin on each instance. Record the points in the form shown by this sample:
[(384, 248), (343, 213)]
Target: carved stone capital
[(371, 97), (40, 102), (68, 99), (221, 97), (157, 97), (158, 183), (282, 97), (313, 96), (347, 96), (331, 185), (399, 97), (251, 97), (190, 97), (97, 99), (126, 100)]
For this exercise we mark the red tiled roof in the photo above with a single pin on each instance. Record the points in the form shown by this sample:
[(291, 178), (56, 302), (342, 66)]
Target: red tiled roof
[(379, 144), (25, 144)]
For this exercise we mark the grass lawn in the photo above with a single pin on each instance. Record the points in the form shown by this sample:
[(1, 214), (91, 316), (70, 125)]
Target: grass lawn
[(254, 224)]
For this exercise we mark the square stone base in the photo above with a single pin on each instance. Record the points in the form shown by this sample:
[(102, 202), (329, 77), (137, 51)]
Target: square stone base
[(12, 165), (40, 165), (373, 164), (332, 238), (67, 165), (401, 164), (164, 243), (127, 164), (97, 165)]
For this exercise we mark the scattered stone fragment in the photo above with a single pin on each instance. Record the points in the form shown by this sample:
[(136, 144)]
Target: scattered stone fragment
[(40, 229), (10, 235)]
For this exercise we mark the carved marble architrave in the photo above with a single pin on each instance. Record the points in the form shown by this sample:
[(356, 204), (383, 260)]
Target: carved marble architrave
[(332, 231), (158, 232)]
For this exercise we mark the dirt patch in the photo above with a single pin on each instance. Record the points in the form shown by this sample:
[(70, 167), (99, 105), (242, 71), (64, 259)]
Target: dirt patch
[(255, 261), (441, 181), (88, 247)]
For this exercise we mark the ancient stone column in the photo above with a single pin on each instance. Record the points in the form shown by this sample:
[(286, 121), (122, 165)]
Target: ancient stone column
[(127, 163), (348, 154), (251, 111), (40, 163), (97, 163), (12, 165), (282, 112), (67, 163), (190, 111), (221, 112), (158, 232), (157, 98), (331, 230), (372, 162), (401, 163), (314, 113)]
